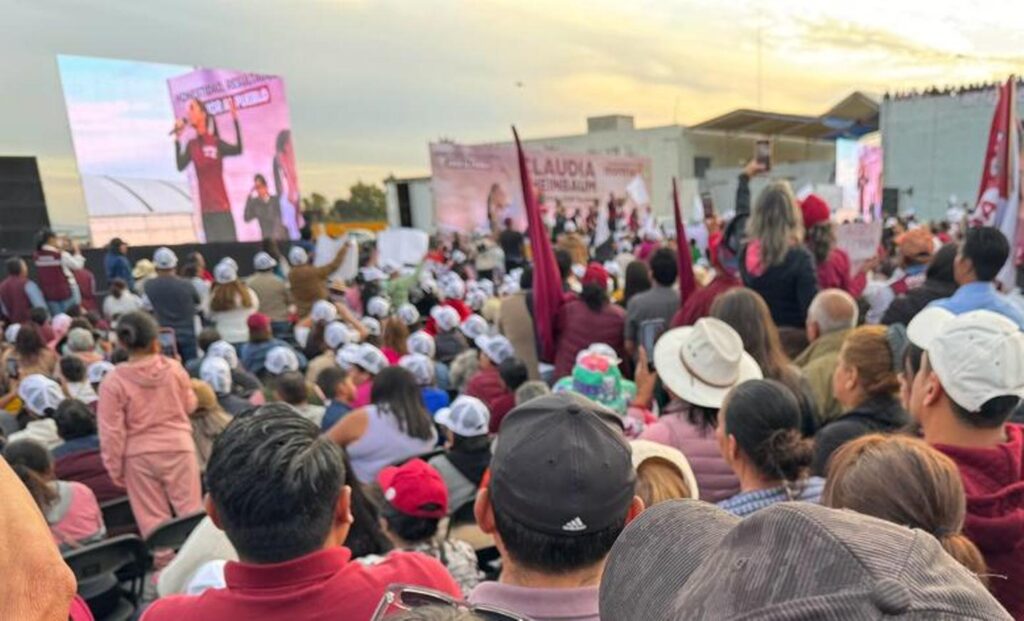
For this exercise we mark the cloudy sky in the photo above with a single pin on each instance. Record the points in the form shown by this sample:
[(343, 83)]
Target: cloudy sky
[(371, 82)]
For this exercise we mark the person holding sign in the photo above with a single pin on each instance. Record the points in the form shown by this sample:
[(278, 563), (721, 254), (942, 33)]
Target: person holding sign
[(206, 152)]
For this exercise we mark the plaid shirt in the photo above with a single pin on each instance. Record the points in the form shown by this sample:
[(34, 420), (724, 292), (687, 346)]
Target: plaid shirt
[(745, 503)]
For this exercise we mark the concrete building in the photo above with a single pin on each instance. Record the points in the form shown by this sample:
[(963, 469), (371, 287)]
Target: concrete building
[(934, 147), (706, 157)]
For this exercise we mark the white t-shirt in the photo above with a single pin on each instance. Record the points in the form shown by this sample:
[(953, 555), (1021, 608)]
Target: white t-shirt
[(127, 303), (233, 324)]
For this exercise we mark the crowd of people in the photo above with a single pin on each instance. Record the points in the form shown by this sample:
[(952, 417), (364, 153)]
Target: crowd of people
[(801, 437)]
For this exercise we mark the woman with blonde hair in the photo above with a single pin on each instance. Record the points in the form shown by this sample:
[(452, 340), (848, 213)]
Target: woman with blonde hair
[(394, 334), (662, 473), (905, 481), (208, 420), (231, 304), (774, 262), (866, 385)]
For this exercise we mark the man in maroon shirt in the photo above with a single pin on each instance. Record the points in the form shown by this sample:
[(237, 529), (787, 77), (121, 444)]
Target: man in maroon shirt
[(276, 487), (970, 383), (487, 384)]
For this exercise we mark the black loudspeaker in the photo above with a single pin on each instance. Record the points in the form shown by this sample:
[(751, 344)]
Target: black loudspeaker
[(22, 205), (404, 205), (890, 202)]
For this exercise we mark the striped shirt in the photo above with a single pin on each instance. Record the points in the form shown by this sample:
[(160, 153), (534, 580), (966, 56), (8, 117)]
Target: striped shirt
[(745, 503)]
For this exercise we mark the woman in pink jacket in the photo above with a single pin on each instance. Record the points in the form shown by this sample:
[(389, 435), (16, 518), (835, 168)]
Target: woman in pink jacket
[(145, 433), (698, 365)]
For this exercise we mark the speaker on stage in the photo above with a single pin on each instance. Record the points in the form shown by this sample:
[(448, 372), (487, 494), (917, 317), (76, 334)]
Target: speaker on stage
[(890, 202), (22, 205)]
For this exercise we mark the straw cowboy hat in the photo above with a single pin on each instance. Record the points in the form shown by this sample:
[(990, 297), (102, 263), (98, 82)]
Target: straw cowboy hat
[(703, 362)]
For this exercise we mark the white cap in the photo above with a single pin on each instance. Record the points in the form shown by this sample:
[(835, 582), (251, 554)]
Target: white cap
[(420, 342), (337, 334), (40, 394), (421, 367), (230, 261), (600, 349), (98, 370), (372, 326), (446, 317), (297, 255), (484, 285), (225, 273), (216, 372), (978, 356), (474, 326), (281, 359), (263, 261), (579, 270), (11, 332), (372, 274), (459, 256), (497, 348), (322, 310), (347, 355), (452, 286), (225, 350), (476, 299), (569, 227), (370, 359), (408, 314), (467, 417), (928, 324), (378, 307), (165, 259), (390, 266), (612, 267), (301, 334)]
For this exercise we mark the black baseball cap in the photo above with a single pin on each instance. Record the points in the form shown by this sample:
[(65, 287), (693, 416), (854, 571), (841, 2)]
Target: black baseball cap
[(560, 469)]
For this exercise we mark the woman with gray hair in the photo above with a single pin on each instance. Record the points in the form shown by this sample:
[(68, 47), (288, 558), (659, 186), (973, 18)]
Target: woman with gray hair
[(774, 261)]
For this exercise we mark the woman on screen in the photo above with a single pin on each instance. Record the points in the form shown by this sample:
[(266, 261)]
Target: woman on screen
[(206, 152), (286, 182)]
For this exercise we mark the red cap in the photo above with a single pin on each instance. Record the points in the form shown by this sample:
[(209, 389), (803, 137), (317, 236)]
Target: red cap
[(815, 210), (258, 322), (415, 488), (595, 274)]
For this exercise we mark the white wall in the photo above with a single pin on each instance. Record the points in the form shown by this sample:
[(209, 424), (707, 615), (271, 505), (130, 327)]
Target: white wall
[(935, 147)]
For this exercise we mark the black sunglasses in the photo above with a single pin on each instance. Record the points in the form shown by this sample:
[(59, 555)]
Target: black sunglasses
[(404, 597)]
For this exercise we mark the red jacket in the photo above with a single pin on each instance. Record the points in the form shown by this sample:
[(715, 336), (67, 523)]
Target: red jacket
[(87, 287), (14, 298), (87, 468), (994, 484), (578, 327), (50, 275), (699, 304), (834, 273), (487, 386)]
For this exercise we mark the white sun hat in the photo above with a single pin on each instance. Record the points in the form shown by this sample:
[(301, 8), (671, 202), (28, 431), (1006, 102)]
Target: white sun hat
[(703, 362)]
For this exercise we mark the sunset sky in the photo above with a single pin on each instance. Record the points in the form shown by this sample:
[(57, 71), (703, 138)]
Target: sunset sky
[(370, 83)]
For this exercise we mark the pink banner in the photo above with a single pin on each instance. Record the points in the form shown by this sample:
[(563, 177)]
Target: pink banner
[(234, 140), (478, 187)]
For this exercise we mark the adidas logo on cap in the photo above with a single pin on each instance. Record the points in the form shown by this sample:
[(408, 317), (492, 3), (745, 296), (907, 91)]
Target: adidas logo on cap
[(574, 525)]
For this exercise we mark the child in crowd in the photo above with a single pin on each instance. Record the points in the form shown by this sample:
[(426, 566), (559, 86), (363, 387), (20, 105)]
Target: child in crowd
[(339, 391), (73, 370)]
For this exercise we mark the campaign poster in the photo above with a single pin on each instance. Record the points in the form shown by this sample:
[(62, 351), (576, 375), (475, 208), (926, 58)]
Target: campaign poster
[(477, 188), (139, 173), (233, 138)]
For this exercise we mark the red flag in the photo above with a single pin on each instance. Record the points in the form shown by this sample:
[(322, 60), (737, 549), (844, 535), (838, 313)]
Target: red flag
[(687, 282), (998, 196), (547, 280)]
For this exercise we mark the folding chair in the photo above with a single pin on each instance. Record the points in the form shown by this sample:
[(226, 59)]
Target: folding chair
[(118, 517), (173, 533), (101, 569)]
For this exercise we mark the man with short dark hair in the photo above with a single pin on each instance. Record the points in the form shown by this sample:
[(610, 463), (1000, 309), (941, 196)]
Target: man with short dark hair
[(338, 388), (982, 255), (276, 487), (18, 294), (970, 382), (659, 303), (562, 488), (292, 389)]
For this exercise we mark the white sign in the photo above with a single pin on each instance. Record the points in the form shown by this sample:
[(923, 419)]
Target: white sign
[(402, 246), (859, 239), (328, 247)]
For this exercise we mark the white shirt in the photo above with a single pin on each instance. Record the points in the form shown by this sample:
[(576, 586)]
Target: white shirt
[(127, 303), (233, 324)]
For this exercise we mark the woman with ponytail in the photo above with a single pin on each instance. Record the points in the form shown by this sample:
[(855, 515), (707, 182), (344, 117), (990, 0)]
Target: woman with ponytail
[(145, 433), (70, 508), (905, 481), (759, 435), (866, 385)]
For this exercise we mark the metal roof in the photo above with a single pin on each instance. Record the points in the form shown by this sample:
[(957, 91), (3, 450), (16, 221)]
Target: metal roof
[(855, 115)]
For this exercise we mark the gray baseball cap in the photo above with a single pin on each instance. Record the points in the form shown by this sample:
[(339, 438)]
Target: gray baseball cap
[(685, 559)]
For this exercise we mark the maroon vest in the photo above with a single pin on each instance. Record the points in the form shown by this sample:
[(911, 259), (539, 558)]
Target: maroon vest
[(14, 298), (50, 276)]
